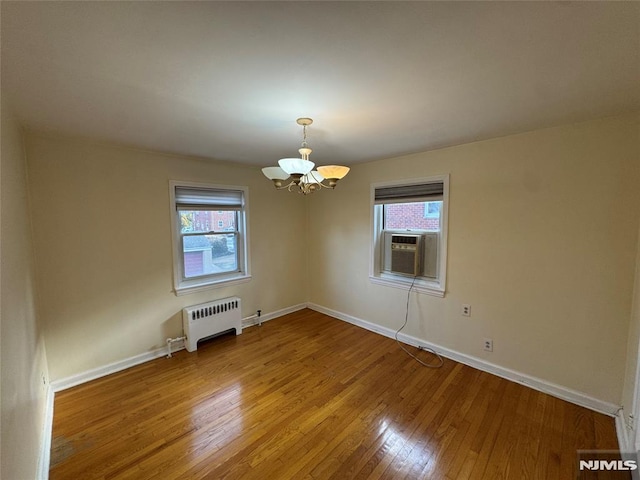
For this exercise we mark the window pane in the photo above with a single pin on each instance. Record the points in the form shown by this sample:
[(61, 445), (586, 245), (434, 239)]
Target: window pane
[(209, 254), (432, 209), (193, 221), (413, 216)]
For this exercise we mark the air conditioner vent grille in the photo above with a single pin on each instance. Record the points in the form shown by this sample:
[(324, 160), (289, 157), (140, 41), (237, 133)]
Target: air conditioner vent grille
[(404, 239), (410, 254)]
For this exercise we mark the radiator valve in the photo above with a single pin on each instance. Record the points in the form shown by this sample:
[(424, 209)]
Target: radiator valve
[(170, 341)]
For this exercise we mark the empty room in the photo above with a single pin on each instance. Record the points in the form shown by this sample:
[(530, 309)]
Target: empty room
[(320, 240)]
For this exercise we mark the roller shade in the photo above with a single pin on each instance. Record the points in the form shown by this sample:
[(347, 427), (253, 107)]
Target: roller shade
[(193, 198), (423, 192)]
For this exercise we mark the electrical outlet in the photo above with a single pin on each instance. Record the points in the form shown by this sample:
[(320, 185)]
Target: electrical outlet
[(466, 310), (488, 345)]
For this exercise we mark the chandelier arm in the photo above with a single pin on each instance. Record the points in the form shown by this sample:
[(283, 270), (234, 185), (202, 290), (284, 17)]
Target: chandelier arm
[(322, 185), (283, 187), (296, 187), (306, 188)]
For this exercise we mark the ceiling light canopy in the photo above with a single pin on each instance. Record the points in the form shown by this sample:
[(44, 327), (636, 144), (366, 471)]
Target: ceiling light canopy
[(304, 179)]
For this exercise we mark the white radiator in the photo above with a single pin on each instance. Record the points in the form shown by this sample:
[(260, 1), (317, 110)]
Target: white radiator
[(207, 319)]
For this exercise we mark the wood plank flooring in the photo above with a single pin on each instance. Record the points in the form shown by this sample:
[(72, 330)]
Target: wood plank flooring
[(306, 396)]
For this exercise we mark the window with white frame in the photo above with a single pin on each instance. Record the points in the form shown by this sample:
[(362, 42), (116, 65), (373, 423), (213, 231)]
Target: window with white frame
[(409, 234), (206, 252)]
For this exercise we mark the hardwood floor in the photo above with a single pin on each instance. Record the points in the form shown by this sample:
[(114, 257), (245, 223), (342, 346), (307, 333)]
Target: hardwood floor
[(307, 396)]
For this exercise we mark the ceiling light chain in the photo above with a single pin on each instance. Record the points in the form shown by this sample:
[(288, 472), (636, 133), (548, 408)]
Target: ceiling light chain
[(304, 179)]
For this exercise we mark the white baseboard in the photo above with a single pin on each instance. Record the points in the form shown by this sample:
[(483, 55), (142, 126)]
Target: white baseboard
[(45, 448), (558, 391), (83, 377), (94, 373), (270, 316)]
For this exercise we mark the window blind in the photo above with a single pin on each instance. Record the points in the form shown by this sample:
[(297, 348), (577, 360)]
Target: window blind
[(193, 198), (422, 192)]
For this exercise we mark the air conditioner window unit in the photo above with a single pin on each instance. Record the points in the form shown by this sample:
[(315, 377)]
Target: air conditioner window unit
[(413, 255)]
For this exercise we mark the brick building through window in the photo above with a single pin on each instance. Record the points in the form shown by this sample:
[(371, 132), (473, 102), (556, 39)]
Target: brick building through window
[(413, 216)]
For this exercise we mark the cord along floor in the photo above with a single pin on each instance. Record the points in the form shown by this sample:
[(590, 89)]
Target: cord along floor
[(309, 396)]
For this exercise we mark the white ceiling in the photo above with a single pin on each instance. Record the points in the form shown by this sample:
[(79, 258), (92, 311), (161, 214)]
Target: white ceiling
[(227, 80)]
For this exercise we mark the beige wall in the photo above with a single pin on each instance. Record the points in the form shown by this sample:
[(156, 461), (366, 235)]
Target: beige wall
[(103, 247), (543, 231), (23, 356)]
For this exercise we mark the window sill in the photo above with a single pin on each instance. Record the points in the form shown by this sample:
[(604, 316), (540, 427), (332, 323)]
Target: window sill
[(426, 287), (208, 285)]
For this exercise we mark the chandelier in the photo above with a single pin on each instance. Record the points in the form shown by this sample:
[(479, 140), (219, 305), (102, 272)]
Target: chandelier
[(304, 179)]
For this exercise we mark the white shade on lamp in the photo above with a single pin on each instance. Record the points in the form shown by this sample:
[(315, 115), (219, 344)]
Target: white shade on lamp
[(312, 177), (296, 166), (275, 173)]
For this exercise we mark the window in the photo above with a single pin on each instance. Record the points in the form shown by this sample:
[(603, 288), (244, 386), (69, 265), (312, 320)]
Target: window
[(205, 257), (409, 234), (432, 209)]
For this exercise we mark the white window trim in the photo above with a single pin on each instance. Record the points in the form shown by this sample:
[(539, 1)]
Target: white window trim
[(198, 284), (422, 285)]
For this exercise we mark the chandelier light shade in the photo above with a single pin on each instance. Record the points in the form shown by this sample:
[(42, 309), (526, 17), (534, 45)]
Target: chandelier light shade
[(276, 174), (333, 173), (304, 179), (313, 176), (294, 166)]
